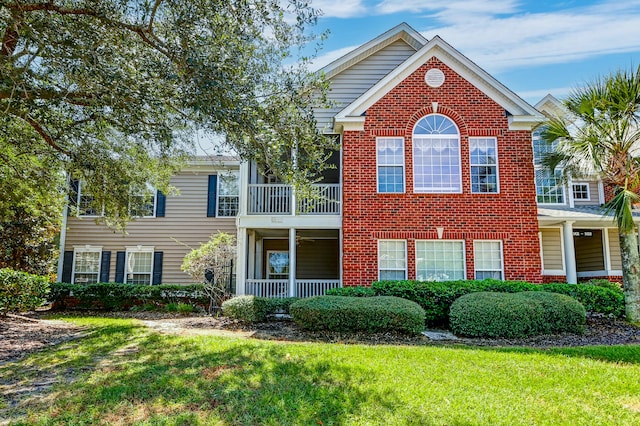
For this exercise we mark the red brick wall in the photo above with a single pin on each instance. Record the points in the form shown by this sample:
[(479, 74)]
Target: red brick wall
[(510, 216)]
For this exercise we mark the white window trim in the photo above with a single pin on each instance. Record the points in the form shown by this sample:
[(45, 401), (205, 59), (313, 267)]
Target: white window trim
[(154, 191), (436, 136), (86, 249), (565, 191), (475, 268), (574, 184), (138, 249), (497, 165), (406, 264), (404, 169), (79, 197), (464, 255), (218, 183)]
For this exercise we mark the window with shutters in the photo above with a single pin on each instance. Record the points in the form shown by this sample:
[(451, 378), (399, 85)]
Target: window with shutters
[(139, 265), (228, 194), (86, 265)]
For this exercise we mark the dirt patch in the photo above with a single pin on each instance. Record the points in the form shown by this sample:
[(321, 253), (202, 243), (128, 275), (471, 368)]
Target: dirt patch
[(22, 335)]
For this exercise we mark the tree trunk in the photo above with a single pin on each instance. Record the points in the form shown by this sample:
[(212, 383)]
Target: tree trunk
[(630, 274)]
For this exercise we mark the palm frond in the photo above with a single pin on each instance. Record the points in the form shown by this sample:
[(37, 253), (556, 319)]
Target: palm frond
[(621, 206)]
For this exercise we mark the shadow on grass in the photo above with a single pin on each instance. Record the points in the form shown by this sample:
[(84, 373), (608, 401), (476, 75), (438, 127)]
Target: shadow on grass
[(616, 354), (202, 380)]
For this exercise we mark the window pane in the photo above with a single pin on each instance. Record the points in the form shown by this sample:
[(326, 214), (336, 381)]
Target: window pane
[(228, 194), (487, 259), (139, 267), (549, 187), (436, 164), (392, 259), (86, 267), (483, 161), (440, 260), (390, 157)]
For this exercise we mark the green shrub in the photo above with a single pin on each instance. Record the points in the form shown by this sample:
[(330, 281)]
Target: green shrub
[(255, 309), (436, 297), (21, 291), (516, 315), (185, 308), (118, 296), (351, 291), (371, 314)]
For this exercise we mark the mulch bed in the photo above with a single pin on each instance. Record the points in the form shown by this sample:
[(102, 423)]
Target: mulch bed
[(23, 334)]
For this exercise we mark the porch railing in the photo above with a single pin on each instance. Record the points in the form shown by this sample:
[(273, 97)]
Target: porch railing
[(276, 199), (280, 288)]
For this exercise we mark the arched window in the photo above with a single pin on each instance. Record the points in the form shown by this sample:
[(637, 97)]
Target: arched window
[(436, 155)]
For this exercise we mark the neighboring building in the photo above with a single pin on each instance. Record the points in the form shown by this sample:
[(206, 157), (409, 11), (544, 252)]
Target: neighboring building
[(436, 179), (155, 244)]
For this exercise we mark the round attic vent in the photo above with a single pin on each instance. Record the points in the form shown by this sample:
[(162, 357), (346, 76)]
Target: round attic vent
[(434, 77)]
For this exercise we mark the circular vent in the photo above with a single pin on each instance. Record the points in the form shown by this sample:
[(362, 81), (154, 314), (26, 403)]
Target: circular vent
[(434, 77)]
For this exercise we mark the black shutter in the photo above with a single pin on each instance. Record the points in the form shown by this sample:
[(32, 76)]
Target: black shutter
[(212, 196), (105, 265), (161, 201), (67, 267), (74, 186), (120, 259), (157, 268)]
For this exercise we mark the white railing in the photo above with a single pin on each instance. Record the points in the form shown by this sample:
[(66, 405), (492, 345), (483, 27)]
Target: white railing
[(280, 288), (309, 288), (323, 199), (267, 288), (269, 199), (275, 199)]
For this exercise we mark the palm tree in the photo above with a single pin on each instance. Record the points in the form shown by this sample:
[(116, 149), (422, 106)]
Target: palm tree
[(600, 136)]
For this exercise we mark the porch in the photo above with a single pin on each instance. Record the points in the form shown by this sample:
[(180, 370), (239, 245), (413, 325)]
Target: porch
[(288, 262)]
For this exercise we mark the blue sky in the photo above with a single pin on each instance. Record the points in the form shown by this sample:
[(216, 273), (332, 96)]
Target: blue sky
[(533, 47)]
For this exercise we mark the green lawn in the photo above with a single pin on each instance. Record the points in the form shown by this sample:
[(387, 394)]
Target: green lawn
[(124, 373)]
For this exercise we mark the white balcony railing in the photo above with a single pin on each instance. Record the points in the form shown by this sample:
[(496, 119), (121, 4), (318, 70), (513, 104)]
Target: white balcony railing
[(280, 288), (276, 199)]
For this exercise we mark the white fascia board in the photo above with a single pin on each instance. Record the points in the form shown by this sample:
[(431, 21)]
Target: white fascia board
[(346, 124), (524, 122), (402, 31), (550, 105), (459, 63)]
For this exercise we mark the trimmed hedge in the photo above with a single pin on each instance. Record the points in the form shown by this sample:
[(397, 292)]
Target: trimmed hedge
[(255, 309), (351, 291), (436, 297), (516, 315), (21, 291), (118, 296), (370, 314)]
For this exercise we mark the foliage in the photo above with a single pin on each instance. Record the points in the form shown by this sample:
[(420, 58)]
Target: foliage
[(183, 308), (351, 291), (211, 264), (598, 136), (118, 296), (21, 291), (436, 297), (516, 315), (256, 309), (370, 314), (114, 91)]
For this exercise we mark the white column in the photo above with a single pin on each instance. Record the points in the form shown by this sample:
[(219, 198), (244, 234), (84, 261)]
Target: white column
[(251, 255), (259, 256), (570, 192), (569, 253), (243, 183), (292, 262), (241, 262)]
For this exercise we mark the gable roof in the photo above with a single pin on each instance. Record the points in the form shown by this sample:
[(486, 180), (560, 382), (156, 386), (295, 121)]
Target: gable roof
[(550, 106), (522, 116), (402, 32)]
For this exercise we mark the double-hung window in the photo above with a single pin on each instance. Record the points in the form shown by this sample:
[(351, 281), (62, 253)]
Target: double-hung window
[(440, 260), (390, 160), (228, 194), (436, 155), (139, 265), (86, 265), (483, 160), (144, 203), (487, 259), (85, 201), (549, 186), (392, 260)]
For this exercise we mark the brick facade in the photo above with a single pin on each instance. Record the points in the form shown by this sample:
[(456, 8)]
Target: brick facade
[(510, 215)]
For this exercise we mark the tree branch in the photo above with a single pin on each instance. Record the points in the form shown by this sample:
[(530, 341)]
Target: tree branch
[(44, 134)]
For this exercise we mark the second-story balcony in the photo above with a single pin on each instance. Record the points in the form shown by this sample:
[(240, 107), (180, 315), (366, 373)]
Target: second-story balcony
[(280, 199)]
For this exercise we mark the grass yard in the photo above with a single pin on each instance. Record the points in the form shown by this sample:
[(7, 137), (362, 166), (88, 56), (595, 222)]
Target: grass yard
[(124, 373)]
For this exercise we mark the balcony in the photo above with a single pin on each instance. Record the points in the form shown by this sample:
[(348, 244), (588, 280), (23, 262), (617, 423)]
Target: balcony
[(278, 199), (282, 288)]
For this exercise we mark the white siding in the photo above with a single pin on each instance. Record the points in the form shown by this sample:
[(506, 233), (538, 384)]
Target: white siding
[(551, 249), (614, 250), (348, 85), (185, 225)]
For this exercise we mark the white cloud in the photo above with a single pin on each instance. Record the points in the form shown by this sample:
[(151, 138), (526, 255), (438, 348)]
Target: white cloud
[(447, 9), (339, 8)]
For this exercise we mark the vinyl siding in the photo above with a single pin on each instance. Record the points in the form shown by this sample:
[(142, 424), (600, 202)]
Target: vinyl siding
[(589, 253), (552, 249), (614, 250), (185, 225), (348, 85), (315, 258)]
